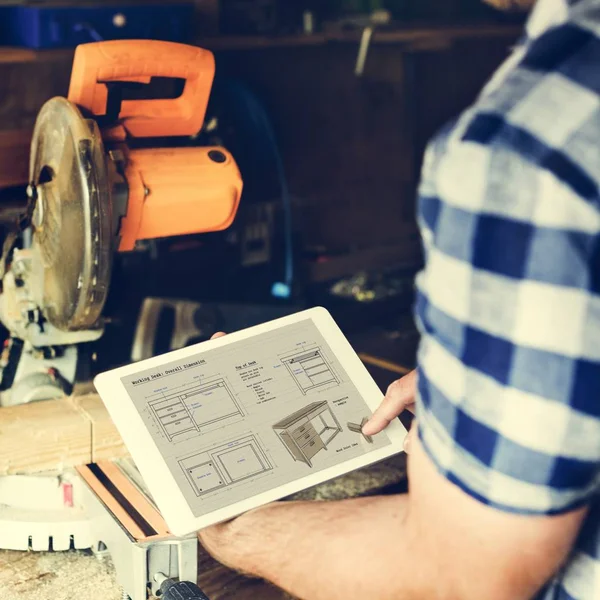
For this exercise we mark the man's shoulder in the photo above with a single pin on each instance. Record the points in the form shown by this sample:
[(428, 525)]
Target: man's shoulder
[(546, 105), (534, 131)]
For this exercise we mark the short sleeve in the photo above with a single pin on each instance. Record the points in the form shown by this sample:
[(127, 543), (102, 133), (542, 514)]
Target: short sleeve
[(508, 306)]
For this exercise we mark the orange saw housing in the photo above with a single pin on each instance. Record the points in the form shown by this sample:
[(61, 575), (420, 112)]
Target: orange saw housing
[(171, 191)]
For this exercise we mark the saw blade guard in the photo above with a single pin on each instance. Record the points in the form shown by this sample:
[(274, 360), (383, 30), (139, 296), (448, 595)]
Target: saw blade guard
[(73, 247)]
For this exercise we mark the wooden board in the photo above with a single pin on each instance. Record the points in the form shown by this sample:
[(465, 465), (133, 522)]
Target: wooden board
[(106, 443), (43, 436), (56, 434)]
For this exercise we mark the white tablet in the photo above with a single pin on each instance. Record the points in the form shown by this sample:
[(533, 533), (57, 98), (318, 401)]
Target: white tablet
[(231, 424)]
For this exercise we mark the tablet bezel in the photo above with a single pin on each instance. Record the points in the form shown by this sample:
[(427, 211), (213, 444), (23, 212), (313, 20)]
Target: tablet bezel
[(153, 468)]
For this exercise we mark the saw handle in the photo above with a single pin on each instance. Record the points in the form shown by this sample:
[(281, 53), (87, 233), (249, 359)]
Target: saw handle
[(100, 63)]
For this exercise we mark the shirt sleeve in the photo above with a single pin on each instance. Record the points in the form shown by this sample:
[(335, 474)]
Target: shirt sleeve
[(508, 306)]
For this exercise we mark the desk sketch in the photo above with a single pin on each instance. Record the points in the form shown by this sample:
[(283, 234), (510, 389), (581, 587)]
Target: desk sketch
[(195, 407), (307, 431), (310, 369), (225, 465)]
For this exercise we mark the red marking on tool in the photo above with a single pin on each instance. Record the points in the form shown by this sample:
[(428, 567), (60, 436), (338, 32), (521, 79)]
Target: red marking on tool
[(68, 494)]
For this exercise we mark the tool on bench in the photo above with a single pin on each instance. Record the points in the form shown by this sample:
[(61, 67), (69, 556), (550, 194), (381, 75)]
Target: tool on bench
[(102, 178), (95, 191)]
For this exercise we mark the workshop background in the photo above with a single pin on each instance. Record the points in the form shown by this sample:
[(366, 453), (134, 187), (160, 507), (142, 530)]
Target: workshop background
[(327, 107)]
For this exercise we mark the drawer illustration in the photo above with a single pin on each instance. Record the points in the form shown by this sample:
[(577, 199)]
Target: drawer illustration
[(313, 447)]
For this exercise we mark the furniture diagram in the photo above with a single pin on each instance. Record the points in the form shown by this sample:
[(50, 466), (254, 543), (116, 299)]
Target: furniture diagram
[(194, 408), (225, 465), (310, 369), (307, 431)]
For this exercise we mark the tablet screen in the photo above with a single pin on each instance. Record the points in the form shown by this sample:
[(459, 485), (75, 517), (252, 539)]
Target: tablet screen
[(241, 419)]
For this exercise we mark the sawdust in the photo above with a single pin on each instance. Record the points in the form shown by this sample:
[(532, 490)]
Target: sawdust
[(56, 576)]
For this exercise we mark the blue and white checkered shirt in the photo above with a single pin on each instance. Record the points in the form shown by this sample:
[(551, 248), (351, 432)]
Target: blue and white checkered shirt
[(509, 299)]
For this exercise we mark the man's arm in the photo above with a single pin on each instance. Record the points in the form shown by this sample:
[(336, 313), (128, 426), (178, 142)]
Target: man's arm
[(435, 542)]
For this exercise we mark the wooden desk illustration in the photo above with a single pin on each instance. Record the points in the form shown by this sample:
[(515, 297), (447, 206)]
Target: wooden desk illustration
[(308, 430)]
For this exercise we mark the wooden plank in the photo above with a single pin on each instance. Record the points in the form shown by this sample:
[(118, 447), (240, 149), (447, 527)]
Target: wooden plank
[(106, 441), (56, 434), (43, 436)]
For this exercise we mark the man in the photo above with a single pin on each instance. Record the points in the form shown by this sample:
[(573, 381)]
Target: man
[(504, 500)]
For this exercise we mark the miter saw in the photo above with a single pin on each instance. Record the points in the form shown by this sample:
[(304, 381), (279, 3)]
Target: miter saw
[(96, 190)]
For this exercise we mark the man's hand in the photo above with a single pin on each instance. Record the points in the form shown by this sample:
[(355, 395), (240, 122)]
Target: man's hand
[(400, 395)]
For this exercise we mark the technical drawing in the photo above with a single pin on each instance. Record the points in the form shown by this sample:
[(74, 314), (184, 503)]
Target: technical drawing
[(194, 408), (310, 370), (204, 477), (307, 431), (357, 428), (225, 465)]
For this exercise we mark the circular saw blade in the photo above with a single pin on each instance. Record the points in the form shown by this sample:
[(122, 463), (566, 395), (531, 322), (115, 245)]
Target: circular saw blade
[(72, 215)]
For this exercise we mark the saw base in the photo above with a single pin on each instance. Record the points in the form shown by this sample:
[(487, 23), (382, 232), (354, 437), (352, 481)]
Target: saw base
[(104, 508)]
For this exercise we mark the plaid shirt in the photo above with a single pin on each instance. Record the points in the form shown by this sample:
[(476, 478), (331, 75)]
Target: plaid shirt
[(508, 303)]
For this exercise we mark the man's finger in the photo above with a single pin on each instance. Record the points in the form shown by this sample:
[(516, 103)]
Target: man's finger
[(410, 436), (218, 335), (399, 395)]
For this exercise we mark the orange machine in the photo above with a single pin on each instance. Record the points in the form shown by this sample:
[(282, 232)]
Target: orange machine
[(102, 177), (171, 191), (96, 189)]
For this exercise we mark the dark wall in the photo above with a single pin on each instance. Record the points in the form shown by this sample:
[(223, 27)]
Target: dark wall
[(353, 145)]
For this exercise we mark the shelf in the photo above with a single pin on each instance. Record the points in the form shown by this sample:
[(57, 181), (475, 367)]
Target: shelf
[(409, 36), (412, 37), (11, 55)]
